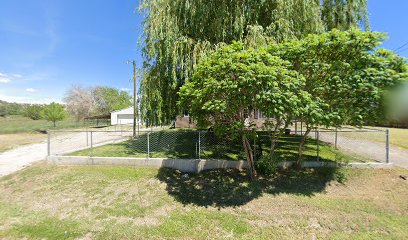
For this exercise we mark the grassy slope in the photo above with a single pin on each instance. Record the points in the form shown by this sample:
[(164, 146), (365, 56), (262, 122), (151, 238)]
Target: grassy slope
[(18, 124), (183, 144), (49, 202)]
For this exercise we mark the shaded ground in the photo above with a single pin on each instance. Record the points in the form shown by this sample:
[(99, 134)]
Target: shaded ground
[(50, 202), (231, 188)]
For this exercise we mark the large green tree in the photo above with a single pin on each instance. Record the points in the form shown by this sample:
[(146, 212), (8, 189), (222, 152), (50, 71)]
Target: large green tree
[(177, 33), (108, 99), (233, 81), (345, 71), (54, 112)]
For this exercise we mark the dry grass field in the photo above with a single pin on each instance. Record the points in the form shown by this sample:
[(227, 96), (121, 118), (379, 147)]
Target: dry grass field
[(9, 141)]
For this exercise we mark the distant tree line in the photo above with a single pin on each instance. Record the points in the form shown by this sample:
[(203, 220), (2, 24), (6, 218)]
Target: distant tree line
[(80, 102), (7, 108)]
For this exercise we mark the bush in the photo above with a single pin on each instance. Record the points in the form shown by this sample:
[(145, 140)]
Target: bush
[(266, 167), (34, 111)]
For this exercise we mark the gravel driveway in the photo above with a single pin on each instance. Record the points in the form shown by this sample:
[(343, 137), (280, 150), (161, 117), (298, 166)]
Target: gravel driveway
[(367, 149), (61, 143)]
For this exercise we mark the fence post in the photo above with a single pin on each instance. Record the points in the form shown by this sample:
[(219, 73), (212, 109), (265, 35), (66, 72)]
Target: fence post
[(196, 152), (148, 145), (91, 153), (199, 145), (48, 143), (387, 145), (296, 128), (335, 140), (318, 148)]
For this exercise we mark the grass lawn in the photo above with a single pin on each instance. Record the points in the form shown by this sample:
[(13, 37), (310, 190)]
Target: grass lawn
[(183, 144), (398, 136), (9, 141), (51, 202), (19, 124)]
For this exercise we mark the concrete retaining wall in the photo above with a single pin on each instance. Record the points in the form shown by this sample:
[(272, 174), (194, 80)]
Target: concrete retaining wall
[(190, 165)]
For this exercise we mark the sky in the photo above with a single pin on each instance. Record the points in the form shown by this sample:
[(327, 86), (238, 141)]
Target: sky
[(46, 46)]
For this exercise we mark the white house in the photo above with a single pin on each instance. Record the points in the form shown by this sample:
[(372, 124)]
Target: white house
[(123, 117)]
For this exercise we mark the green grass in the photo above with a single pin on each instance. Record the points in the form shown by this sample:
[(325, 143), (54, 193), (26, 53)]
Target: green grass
[(50, 202), (183, 144), (19, 124)]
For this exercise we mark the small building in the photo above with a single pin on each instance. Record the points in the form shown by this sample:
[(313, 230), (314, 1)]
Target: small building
[(123, 117)]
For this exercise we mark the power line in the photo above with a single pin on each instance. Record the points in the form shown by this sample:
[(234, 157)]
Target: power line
[(402, 50), (403, 45)]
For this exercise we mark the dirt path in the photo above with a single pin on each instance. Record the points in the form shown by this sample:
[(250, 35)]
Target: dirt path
[(368, 149), (61, 143)]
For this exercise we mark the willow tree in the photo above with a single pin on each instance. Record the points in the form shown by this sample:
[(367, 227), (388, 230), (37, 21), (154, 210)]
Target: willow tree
[(177, 33)]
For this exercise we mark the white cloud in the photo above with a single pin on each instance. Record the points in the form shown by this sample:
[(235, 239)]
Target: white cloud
[(4, 78), (17, 75), (31, 90), (125, 89)]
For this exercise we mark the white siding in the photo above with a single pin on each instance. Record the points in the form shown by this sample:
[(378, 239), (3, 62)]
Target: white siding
[(121, 117)]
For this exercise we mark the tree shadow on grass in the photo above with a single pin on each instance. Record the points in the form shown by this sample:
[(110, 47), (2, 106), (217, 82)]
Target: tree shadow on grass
[(230, 188)]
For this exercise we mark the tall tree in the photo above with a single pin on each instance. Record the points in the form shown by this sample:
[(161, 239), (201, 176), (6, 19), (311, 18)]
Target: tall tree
[(80, 102), (108, 99), (345, 71), (54, 112), (344, 14), (232, 81), (177, 33)]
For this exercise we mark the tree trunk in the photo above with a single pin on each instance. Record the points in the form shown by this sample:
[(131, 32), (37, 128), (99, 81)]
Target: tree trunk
[(273, 145), (249, 156), (301, 145), (54, 123), (276, 135)]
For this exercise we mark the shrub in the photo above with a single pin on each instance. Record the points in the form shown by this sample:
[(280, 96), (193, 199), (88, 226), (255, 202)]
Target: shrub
[(34, 111), (266, 167)]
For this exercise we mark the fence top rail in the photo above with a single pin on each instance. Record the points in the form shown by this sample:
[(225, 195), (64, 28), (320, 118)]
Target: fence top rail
[(206, 131), (348, 130)]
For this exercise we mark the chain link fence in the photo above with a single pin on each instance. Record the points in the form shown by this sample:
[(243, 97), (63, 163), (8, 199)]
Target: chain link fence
[(341, 145)]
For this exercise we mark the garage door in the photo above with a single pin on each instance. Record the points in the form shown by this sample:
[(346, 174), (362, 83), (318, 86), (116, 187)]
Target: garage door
[(125, 119), (125, 116)]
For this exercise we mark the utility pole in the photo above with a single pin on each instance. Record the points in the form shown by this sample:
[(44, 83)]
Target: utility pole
[(135, 107)]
